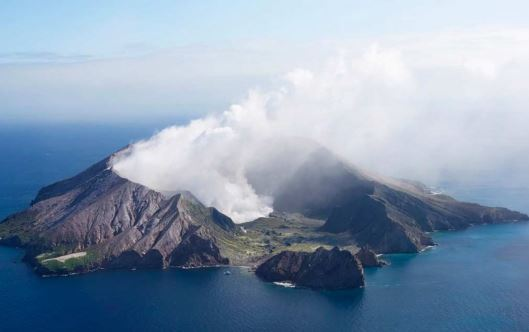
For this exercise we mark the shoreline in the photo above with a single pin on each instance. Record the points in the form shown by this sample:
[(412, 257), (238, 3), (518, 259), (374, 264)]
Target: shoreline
[(250, 268)]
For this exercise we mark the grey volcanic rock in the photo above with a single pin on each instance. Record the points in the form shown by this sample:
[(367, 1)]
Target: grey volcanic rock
[(323, 201), (197, 250), (385, 214), (368, 258), (125, 224), (327, 269)]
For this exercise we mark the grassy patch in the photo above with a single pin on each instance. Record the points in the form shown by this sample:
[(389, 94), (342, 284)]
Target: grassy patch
[(48, 265)]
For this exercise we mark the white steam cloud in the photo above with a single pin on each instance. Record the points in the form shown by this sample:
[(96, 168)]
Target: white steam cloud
[(424, 108)]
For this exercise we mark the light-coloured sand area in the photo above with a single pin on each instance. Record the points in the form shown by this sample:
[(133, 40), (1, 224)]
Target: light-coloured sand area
[(63, 259)]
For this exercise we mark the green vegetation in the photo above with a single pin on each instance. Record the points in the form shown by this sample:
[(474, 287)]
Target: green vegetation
[(48, 265), (267, 236)]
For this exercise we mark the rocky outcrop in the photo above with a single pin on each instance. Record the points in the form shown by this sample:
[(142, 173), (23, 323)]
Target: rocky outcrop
[(326, 269), (197, 250), (368, 258)]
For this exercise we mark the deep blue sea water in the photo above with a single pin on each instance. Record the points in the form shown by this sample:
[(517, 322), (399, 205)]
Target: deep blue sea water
[(475, 280)]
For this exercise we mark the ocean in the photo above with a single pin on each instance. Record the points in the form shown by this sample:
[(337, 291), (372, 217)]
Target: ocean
[(474, 280)]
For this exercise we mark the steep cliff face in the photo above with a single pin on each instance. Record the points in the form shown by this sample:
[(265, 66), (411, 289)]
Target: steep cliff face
[(126, 224), (319, 200), (368, 258), (385, 214), (327, 269), (197, 249)]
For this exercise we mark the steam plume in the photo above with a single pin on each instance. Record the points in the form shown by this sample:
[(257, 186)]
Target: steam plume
[(401, 111)]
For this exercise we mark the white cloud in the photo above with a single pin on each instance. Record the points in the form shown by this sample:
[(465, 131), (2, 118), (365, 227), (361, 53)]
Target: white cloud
[(426, 108), (441, 105)]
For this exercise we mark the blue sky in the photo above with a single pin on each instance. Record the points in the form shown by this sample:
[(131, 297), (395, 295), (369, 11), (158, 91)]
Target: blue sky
[(129, 61), (422, 75), (116, 28)]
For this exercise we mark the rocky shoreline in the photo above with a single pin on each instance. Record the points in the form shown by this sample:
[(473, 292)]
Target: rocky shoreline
[(321, 269), (326, 203)]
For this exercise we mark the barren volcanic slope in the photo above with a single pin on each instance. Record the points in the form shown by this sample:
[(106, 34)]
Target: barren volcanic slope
[(119, 224), (111, 222)]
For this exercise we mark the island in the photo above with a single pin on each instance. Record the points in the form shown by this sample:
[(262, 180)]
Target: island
[(98, 219), (325, 269)]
